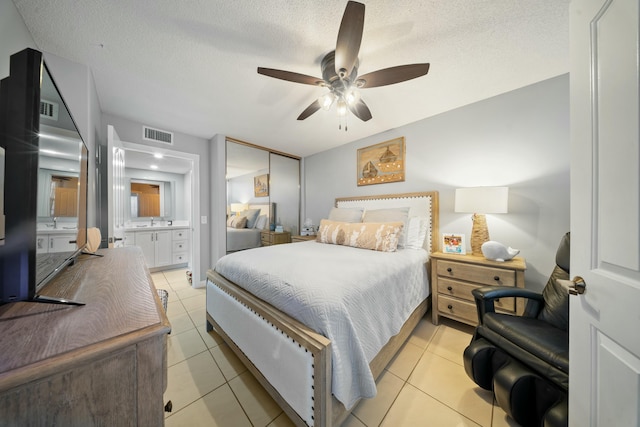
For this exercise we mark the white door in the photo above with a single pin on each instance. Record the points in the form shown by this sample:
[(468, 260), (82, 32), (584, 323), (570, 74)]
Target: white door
[(115, 188), (604, 344)]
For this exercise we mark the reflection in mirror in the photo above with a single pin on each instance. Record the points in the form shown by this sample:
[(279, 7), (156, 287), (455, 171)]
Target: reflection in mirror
[(285, 191), (58, 172), (258, 178), (150, 199), (247, 188)]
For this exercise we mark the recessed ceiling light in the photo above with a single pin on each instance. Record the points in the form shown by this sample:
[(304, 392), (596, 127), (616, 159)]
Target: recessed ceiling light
[(154, 166), (158, 155)]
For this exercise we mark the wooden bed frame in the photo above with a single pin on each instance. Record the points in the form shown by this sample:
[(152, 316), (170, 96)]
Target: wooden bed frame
[(326, 410)]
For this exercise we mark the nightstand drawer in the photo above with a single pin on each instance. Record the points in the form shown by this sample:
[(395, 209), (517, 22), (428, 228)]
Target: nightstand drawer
[(463, 310), (462, 290), (476, 273)]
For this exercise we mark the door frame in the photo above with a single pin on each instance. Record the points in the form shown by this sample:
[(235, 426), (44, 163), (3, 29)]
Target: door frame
[(194, 219)]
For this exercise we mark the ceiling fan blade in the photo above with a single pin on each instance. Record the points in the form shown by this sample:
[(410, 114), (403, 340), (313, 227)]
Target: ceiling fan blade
[(360, 110), (389, 76), (291, 76), (315, 106), (349, 38)]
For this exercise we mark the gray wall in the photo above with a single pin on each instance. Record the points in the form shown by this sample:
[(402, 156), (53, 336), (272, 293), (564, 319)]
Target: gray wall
[(519, 139)]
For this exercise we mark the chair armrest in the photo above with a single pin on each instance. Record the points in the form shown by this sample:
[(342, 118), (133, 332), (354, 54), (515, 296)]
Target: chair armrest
[(485, 298)]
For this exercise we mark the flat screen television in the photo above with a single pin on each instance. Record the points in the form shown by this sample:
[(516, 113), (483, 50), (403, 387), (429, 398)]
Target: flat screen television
[(43, 181)]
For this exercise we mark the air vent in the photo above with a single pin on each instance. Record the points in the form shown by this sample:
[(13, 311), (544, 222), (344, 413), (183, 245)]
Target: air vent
[(49, 110), (157, 135)]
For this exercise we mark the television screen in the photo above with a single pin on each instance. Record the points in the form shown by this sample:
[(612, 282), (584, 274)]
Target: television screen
[(45, 185)]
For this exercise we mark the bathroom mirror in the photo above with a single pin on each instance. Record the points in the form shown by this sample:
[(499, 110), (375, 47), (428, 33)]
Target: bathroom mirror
[(150, 199)]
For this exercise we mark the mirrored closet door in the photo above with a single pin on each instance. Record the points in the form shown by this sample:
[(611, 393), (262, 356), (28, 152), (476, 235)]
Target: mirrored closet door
[(265, 186)]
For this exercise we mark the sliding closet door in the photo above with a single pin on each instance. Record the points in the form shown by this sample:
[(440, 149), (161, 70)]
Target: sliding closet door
[(285, 191)]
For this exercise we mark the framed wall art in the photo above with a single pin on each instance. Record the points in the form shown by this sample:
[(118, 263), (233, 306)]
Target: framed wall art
[(454, 243), (261, 185), (381, 163)]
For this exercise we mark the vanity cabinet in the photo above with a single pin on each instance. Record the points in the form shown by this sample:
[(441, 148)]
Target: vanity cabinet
[(156, 247), (162, 247)]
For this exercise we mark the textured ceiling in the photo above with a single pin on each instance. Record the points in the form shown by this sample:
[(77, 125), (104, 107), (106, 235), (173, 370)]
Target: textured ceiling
[(190, 66)]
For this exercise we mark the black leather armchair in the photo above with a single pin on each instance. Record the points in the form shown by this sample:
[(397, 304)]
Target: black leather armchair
[(525, 359)]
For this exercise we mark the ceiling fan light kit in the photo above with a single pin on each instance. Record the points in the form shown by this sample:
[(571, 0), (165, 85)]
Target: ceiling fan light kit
[(340, 72)]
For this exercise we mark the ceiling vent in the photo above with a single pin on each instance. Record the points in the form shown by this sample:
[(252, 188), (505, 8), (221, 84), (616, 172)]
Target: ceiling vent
[(49, 110), (157, 135)]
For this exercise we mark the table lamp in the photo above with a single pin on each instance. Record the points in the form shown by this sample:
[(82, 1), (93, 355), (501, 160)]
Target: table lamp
[(480, 201)]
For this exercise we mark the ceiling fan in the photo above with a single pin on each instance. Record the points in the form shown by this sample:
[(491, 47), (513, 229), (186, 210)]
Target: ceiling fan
[(340, 71)]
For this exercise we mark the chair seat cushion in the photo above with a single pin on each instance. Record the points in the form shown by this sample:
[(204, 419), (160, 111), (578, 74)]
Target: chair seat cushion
[(539, 338)]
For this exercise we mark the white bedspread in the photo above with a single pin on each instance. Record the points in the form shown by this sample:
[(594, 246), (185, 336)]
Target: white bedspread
[(357, 298)]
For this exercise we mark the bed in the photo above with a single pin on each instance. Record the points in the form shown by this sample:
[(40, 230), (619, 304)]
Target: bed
[(318, 377), (239, 239)]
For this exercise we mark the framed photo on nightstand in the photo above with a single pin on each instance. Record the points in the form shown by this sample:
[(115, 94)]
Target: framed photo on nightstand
[(454, 243)]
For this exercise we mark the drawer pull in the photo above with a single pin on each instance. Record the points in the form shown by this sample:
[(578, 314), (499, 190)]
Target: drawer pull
[(449, 288), (450, 307), (449, 270), (496, 278)]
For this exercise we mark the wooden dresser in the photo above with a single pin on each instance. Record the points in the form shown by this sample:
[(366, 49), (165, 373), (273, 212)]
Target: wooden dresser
[(269, 238), (103, 363), (453, 277)]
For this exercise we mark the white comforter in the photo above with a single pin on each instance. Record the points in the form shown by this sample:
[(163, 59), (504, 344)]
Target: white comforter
[(357, 298)]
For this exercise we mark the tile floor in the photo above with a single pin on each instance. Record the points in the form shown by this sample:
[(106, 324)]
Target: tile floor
[(425, 384)]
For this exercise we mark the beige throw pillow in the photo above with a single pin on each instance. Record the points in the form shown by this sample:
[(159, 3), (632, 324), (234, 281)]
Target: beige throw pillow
[(375, 236)]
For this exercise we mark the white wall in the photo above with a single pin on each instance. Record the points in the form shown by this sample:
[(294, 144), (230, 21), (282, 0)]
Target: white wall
[(14, 35), (519, 139)]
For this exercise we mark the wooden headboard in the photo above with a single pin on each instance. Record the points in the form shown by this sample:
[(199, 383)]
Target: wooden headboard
[(419, 204)]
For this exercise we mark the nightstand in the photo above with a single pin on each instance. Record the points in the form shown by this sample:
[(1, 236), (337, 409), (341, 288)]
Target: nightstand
[(453, 277), (295, 239), (269, 238)]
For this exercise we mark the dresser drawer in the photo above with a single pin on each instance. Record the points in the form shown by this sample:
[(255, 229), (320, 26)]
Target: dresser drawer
[(463, 310), (462, 290), (476, 273)]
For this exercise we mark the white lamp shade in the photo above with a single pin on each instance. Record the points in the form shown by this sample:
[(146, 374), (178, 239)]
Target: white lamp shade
[(482, 200)]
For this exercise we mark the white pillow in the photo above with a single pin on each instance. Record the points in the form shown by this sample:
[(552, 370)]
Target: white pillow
[(261, 222), (417, 232), (390, 215), (346, 214)]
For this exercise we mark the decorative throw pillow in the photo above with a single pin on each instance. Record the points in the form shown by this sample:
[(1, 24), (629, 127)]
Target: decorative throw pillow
[(390, 215), (252, 216), (230, 221), (346, 214), (375, 236), (239, 222)]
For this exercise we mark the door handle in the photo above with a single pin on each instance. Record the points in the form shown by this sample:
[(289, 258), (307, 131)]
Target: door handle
[(577, 286)]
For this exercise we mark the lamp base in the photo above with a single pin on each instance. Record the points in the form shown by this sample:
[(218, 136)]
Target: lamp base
[(479, 233)]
